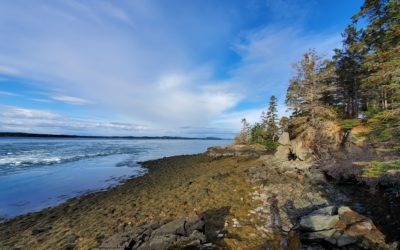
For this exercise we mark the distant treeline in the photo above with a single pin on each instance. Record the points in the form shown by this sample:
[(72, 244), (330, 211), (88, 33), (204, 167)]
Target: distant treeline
[(14, 134)]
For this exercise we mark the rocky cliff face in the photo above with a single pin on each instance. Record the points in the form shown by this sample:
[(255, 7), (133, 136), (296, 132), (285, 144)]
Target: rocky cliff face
[(296, 147)]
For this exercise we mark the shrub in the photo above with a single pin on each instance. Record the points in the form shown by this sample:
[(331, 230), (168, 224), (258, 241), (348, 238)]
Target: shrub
[(350, 123), (270, 145), (375, 169)]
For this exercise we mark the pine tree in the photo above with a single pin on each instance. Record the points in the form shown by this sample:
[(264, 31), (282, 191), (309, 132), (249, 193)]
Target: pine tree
[(270, 118), (305, 98), (244, 135), (348, 69), (381, 38)]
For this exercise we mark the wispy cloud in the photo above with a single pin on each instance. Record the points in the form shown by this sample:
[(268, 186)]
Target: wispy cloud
[(71, 100), (43, 121), (18, 112), (8, 93), (41, 100), (268, 53)]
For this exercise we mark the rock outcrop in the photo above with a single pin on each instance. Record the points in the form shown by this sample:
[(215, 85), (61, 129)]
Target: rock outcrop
[(341, 227), (284, 139), (297, 147), (293, 147), (182, 233), (283, 150)]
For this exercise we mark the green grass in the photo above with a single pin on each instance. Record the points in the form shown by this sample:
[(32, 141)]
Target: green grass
[(375, 169), (350, 123)]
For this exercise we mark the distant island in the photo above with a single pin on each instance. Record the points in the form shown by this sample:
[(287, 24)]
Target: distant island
[(19, 134)]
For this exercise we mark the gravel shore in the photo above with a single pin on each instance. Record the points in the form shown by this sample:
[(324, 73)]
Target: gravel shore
[(174, 187)]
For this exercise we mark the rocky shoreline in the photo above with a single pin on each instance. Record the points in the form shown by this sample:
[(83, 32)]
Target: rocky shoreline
[(227, 198)]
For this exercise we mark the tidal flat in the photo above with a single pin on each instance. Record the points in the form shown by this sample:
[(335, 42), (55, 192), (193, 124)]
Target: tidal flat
[(245, 203)]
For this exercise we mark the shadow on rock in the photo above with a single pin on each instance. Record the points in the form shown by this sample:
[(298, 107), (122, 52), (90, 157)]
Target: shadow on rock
[(214, 223)]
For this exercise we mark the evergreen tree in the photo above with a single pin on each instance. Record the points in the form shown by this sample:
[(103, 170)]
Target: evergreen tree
[(283, 124), (348, 62), (244, 135), (305, 97), (270, 118), (381, 38)]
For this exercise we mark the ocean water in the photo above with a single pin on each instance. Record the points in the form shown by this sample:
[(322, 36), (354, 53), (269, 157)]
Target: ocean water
[(36, 173)]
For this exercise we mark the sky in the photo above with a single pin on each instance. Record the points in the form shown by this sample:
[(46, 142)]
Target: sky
[(147, 67)]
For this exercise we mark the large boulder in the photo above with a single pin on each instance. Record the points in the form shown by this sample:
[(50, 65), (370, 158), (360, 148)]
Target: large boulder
[(284, 139), (297, 146), (282, 153), (318, 222)]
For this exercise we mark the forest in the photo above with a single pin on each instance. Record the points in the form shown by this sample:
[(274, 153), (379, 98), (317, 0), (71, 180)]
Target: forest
[(359, 86)]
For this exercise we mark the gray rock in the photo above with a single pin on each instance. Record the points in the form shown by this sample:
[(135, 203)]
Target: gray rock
[(161, 242), (193, 224), (316, 177), (180, 233), (318, 222), (282, 153), (345, 239), (329, 210), (120, 240), (174, 227), (284, 139), (321, 235)]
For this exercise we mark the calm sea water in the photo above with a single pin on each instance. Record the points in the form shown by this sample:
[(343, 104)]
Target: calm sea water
[(36, 173)]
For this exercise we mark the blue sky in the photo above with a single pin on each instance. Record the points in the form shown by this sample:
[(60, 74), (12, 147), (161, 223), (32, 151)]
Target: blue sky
[(191, 68)]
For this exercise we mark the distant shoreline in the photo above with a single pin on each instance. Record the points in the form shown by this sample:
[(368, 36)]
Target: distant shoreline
[(33, 135)]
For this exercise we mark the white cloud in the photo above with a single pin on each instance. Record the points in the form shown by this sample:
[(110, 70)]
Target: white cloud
[(8, 93), (41, 100), (82, 50), (43, 121), (17, 112), (71, 100)]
